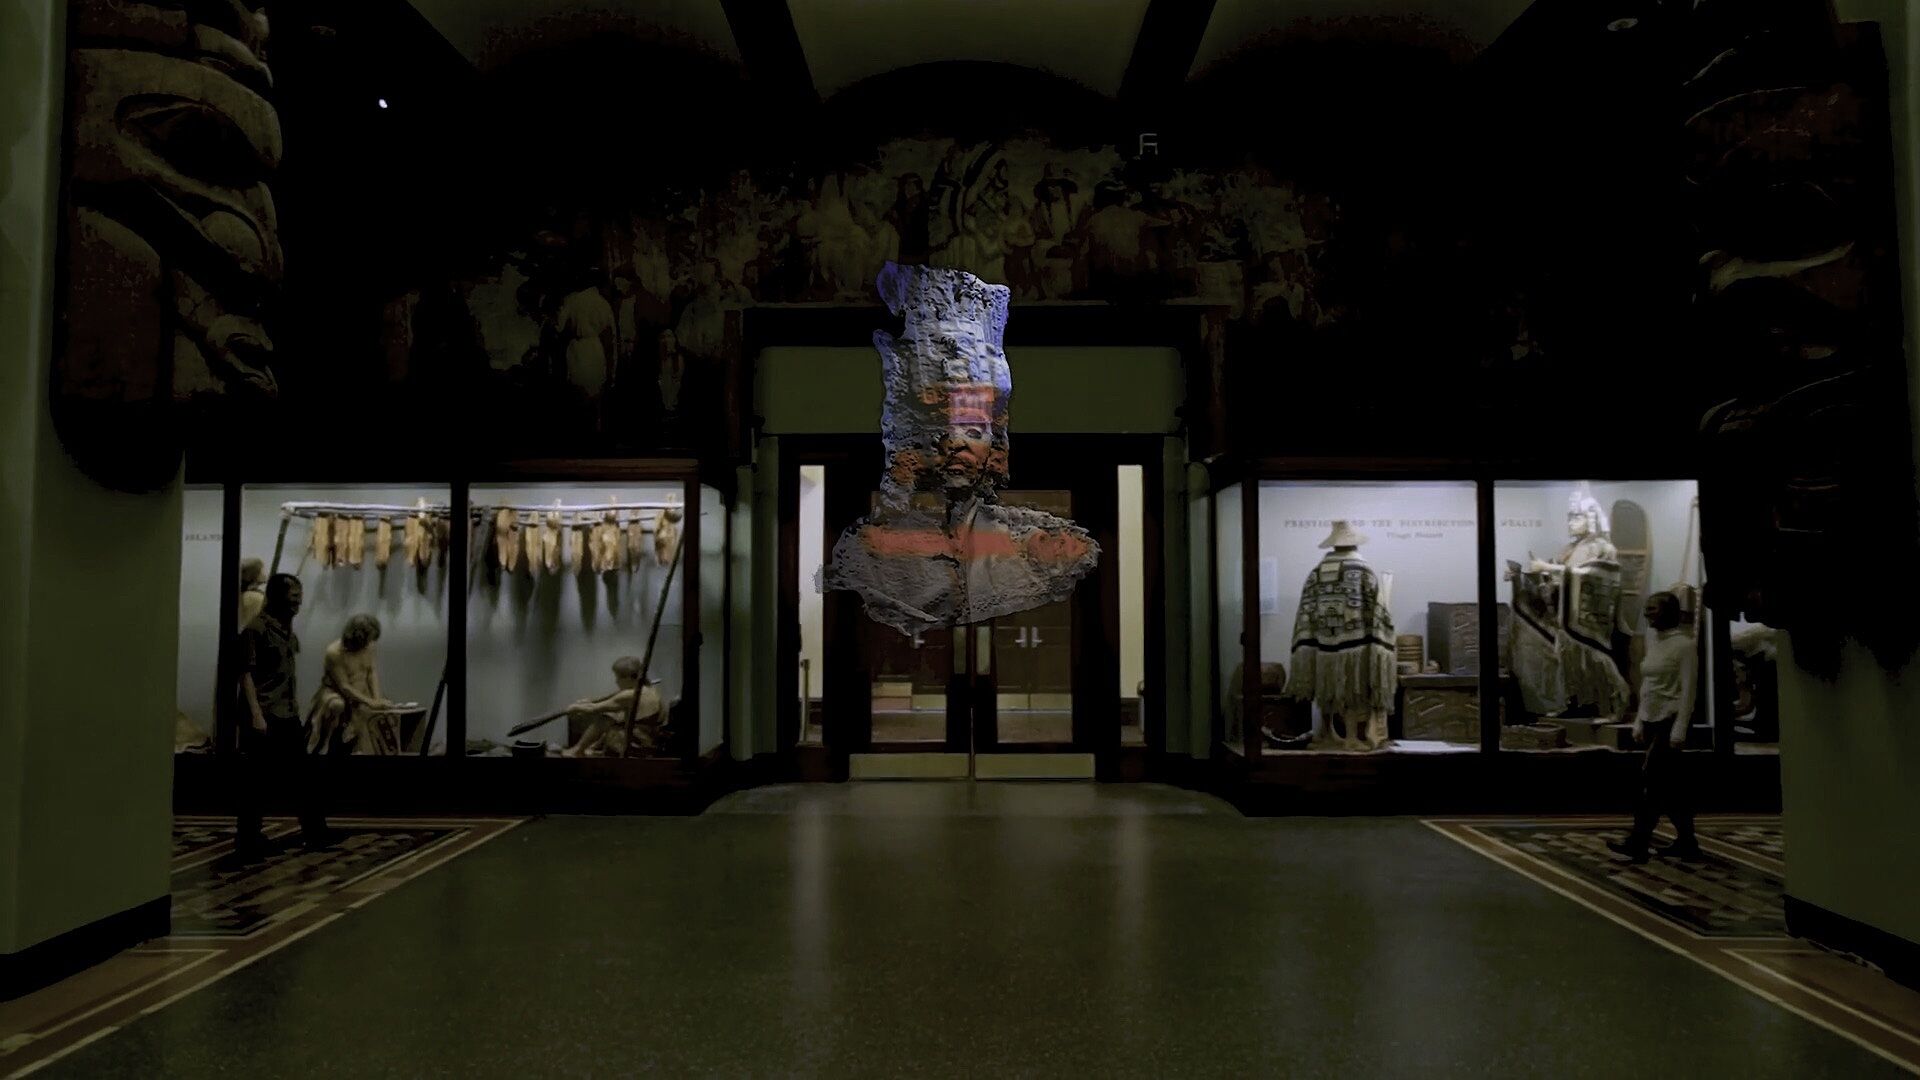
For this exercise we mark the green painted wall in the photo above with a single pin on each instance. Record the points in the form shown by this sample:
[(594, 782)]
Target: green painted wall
[(89, 597), (834, 391), (1850, 749)]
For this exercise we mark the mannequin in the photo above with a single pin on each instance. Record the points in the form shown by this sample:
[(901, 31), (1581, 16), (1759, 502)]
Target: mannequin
[(942, 550), (1562, 635), (348, 711), (607, 716), (253, 589), (1343, 658)]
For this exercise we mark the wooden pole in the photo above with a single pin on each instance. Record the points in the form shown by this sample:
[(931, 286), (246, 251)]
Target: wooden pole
[(476, 550), (280, 541), (646, 660)]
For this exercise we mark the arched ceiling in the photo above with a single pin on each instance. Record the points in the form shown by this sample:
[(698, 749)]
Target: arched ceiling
[(1088, 41), (818, 47), (492, 32)]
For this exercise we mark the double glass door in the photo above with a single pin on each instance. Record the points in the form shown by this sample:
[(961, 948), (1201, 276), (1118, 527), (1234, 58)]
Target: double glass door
[(1029, 694)]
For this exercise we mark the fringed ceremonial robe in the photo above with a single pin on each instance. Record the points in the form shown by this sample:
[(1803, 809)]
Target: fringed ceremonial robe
[(1343, 658), (1563, 633)]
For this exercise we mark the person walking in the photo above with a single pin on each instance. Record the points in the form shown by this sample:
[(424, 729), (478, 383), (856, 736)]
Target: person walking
[(1668, 677), (272, 744)]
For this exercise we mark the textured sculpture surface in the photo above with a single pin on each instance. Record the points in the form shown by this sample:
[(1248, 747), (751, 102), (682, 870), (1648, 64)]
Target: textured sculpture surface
[(172, 247), (941, 550), (1789, 169)]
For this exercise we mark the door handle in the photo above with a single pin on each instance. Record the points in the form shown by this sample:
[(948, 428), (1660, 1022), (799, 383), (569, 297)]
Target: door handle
[(1021, 638), (983, 651), (1034, 642)]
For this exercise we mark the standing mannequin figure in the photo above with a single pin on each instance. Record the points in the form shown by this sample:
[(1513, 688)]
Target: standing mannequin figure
[(1565, 611), (1343, 659)]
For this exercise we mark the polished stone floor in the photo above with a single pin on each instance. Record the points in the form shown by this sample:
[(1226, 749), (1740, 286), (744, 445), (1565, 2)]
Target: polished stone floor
[(962, 929)]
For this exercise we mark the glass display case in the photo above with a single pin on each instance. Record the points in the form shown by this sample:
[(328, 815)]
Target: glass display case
[(1370, 633), (1368, 595), (372, 562), (1580, 564), (578, 623)]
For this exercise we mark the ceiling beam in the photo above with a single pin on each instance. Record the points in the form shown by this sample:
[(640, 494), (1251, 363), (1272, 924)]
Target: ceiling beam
[(1165, 50), (770, 49)]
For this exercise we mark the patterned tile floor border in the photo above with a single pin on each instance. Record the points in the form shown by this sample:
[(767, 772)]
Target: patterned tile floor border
[(226, 916), (1724, 912)]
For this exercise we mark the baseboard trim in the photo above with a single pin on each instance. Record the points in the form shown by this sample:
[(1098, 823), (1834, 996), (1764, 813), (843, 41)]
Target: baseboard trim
[(80, 948), (1891, 953)]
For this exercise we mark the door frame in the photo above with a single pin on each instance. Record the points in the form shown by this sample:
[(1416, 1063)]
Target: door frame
[(1081, 463)]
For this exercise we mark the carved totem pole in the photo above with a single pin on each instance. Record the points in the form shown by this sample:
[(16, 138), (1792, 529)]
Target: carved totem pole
[(1807, 502), (172, 251)]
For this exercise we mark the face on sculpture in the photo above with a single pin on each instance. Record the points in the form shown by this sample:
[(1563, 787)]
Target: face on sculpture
[(963, 454), (1579, 526), (173, 245)]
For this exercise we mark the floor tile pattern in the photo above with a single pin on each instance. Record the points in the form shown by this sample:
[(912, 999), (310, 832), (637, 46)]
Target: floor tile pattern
[(1715, 896), (218, 899)]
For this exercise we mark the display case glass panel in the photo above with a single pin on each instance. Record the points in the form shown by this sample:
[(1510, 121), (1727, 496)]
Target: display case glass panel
[(1230, 646), (712, 656), (1131, 559), (197, 671), (813, 548), (1368, 616), (373, 564), (1578, 562), (576, 601), (1755, 699)]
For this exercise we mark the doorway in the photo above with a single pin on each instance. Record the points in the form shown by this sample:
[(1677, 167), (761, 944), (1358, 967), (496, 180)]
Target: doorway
[(1056, 692)]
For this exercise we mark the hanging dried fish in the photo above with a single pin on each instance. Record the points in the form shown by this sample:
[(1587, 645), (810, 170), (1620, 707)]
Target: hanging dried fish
[(611, 551), (583, 548), (382, 543), (666, 535), (506, 539), (550, 542), (530, 540), (636, 540), (323, 540), (568, 553), (411, 540), (433, 534), (352, 540)]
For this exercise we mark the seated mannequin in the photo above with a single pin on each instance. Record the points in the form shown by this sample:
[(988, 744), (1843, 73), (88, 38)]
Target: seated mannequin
[(606, 717), (348, 714)]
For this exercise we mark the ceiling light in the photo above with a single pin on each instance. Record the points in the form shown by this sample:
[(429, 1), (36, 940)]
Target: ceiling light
[(1623, 24)]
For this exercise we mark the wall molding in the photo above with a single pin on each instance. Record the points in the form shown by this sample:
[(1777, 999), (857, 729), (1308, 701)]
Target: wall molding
[(1894, 955), (49, 961)]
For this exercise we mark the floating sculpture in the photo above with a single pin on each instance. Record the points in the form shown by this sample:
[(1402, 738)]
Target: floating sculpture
[(941, 550)]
